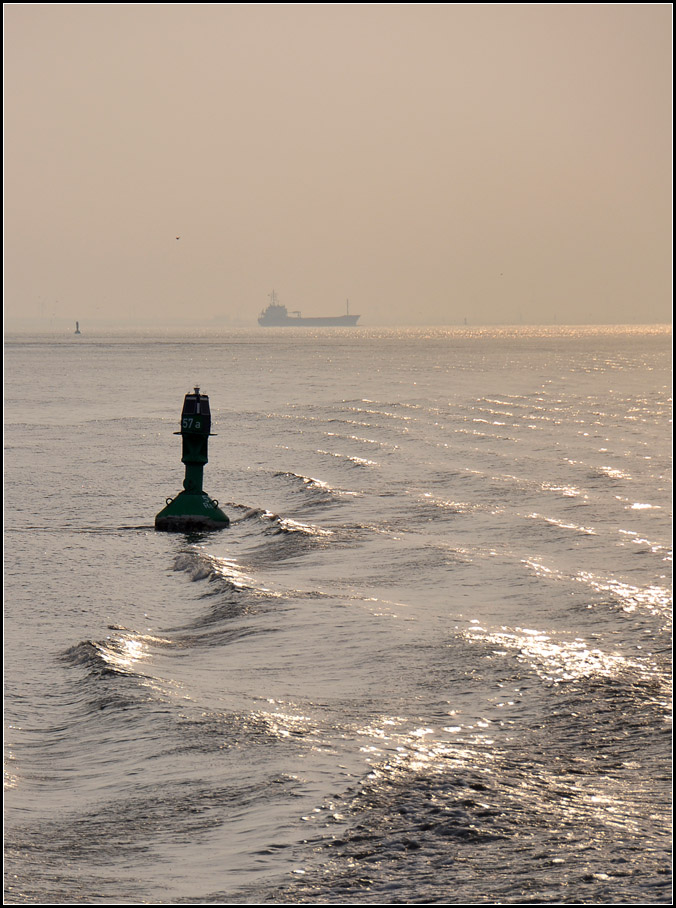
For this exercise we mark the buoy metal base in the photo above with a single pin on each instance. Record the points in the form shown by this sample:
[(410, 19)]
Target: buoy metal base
[(190, 511)]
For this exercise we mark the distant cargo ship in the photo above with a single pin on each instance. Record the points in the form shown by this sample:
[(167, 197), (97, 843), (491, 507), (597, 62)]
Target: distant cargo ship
[(277, 315)]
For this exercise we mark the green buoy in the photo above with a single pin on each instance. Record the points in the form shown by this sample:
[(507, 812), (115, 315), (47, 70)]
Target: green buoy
[(193, 509)]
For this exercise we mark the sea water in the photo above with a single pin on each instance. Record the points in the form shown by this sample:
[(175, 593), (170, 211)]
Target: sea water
[(428, 662)]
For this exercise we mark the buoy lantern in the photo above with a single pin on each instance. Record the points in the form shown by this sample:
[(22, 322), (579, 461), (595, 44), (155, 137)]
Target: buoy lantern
[(193, 509)]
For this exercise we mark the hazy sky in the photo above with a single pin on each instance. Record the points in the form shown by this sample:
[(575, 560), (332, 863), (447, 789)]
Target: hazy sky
[(431, 163)]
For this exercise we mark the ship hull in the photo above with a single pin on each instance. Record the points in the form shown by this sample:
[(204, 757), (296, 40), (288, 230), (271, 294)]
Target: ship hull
[(291, 321)]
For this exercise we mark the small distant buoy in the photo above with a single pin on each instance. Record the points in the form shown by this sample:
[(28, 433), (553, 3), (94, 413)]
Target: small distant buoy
[(77, 328), (193, 509)]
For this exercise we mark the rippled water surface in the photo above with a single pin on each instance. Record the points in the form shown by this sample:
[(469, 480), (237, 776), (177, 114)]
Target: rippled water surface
[(428, 662)]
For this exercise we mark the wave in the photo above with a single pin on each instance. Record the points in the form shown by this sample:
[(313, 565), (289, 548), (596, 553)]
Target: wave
[(361, 440), (351, 459), (224, 571), (435, 803), (287, 525), (653, 599), (252, 514), (557, 661), (315, 490), (607, 472), (121, 653), (124, 655), (277, 524), (561, 524), (288, 539)]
